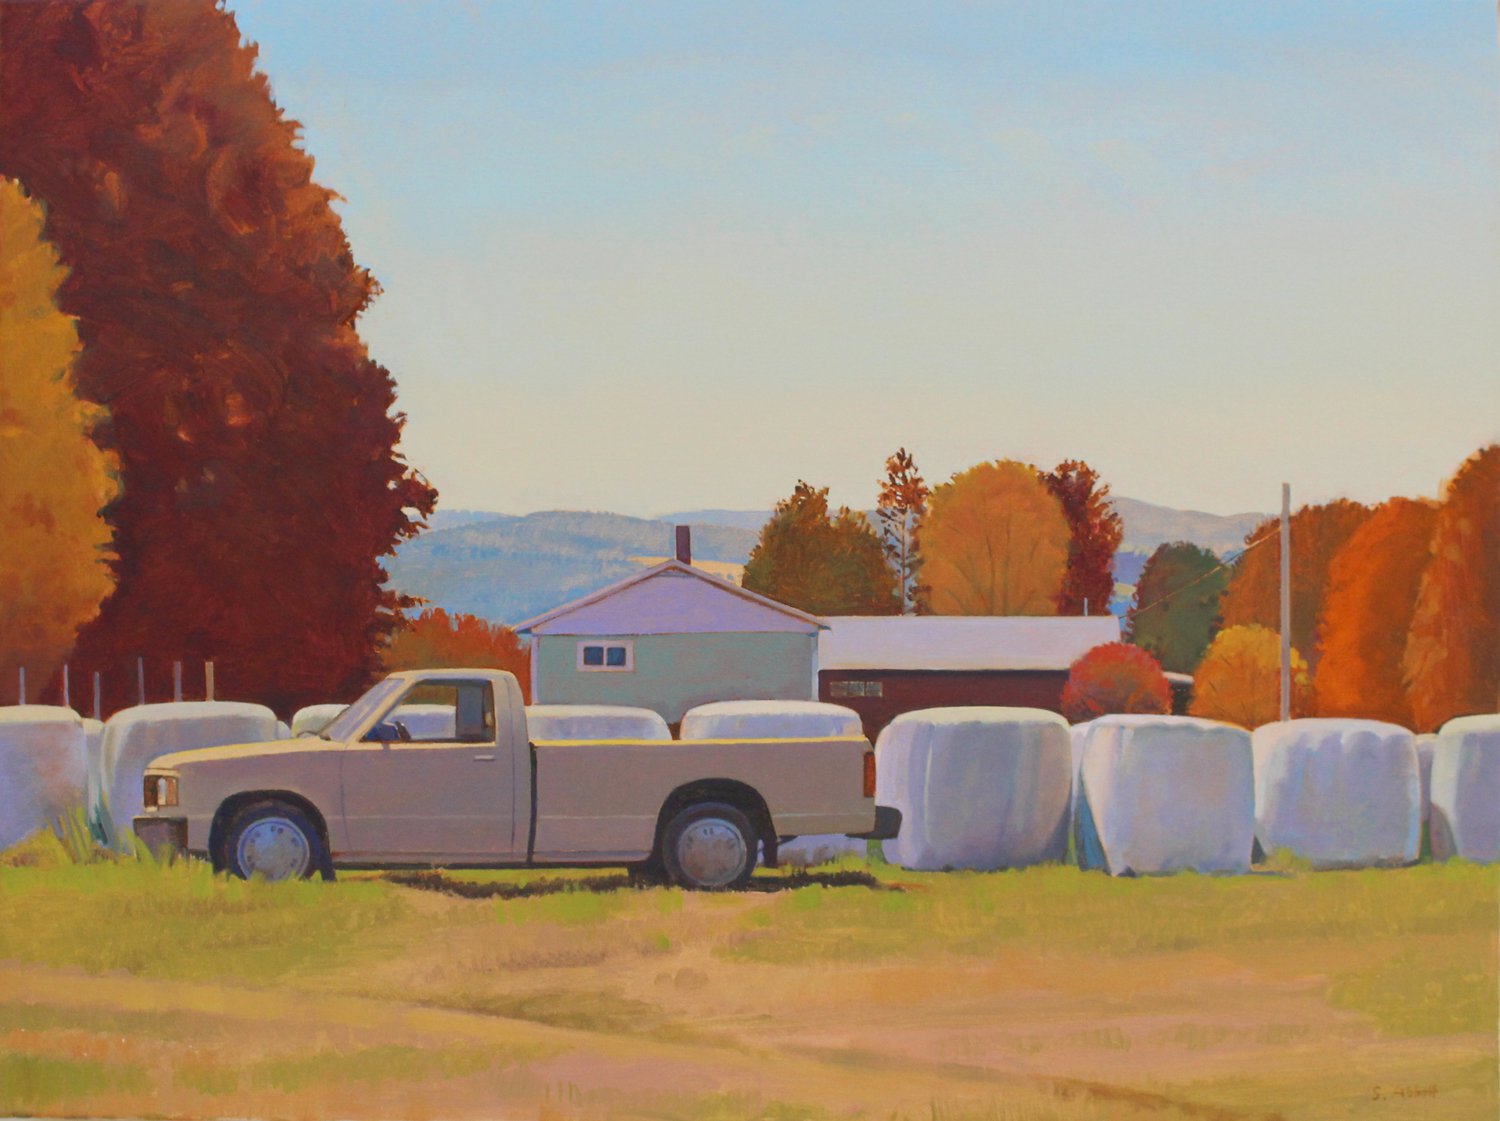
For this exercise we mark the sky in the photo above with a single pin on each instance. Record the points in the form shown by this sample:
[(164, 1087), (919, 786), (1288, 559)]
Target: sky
[(657, 257)]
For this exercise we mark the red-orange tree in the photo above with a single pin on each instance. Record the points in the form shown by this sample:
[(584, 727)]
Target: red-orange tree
[(216, 298), (1115, 677), (436, 640), (1254, 592), (1094, 531), (1452, 659), (1372, 592)]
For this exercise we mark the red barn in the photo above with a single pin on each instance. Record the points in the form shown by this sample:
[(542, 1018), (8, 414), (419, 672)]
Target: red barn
[(884, 665)]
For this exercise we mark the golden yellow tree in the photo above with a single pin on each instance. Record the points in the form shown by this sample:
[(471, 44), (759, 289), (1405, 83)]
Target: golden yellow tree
[(1239, 679), (53, 479), (994, 541)]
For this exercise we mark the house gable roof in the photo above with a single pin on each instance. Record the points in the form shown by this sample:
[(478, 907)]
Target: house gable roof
[(671, 598)]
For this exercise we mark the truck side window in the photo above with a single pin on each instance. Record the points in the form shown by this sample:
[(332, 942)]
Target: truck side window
[(442, 712)]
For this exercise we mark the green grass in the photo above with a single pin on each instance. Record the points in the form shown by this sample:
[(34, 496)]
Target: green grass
[(34, 1082), (1061, 908), (179, 920)]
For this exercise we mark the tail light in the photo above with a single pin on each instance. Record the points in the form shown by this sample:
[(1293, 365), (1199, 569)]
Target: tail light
[(869, 774)]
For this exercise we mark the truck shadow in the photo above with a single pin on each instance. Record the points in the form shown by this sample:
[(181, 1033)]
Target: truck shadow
[(446, 884)]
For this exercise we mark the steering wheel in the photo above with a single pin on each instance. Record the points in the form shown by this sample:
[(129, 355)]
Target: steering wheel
[(403, 734)]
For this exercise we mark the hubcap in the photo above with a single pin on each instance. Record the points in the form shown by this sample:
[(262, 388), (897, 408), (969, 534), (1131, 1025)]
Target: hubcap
[(274, 848), (712, 852)]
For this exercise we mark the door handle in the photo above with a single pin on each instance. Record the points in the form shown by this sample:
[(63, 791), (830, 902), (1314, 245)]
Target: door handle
[(490, 758)]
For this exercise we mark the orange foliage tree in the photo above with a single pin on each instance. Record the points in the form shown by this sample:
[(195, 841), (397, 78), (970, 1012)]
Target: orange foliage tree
[(1115, 677), (1254, 592), (994, 542), (1452, 658), (437, 640), (53, 479), (828, 563), (1239, 679), (1372, 592), (216, 297), (900, 506), (1095, 531)]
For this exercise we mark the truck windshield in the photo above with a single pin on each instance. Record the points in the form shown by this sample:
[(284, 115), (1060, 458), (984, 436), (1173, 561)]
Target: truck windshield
[(348, 722)]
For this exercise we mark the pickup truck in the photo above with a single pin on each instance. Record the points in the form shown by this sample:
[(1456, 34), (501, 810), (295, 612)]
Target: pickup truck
[(476, 792)]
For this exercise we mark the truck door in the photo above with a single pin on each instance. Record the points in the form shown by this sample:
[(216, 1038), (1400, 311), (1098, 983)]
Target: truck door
[(432, 780)]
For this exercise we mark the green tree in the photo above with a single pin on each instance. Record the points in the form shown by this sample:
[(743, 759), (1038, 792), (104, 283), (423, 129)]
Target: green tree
[(1176, 606), (828, 563)]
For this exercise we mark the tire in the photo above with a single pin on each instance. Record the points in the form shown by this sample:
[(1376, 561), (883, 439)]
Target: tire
[(710, 846), (276, 840)]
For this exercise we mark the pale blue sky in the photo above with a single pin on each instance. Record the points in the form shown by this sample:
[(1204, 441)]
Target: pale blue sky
[(648, 257)]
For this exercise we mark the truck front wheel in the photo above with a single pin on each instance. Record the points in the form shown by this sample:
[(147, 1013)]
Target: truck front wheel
[(710, 846), (276, 841)]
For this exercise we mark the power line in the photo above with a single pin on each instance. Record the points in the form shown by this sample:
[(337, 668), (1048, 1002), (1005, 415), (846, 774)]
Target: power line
[(1221, 566)]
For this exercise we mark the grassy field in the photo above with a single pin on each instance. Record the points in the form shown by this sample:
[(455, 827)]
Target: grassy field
[(128, 989)]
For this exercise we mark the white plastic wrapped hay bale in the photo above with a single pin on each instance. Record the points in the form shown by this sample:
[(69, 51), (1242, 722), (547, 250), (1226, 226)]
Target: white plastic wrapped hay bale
[(1340, 793), (283, 730), (1078, 735), (1161, 794), (981, 788), (43, 768), (594, 722), (93, 750), (766, 720), (135, 736), (312, 719), (1426, 743), (1466, 790)]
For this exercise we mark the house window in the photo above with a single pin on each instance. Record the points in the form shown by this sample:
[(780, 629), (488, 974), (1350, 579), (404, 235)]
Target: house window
[(856, 689), (606, 657)]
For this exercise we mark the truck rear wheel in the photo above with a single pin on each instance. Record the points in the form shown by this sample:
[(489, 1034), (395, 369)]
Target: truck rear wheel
[(710, 846)]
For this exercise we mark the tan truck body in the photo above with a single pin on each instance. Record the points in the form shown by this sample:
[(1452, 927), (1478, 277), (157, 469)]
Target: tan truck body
[(493, 798)]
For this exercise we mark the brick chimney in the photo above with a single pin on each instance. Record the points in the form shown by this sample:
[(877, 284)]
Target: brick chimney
[(684, 543)]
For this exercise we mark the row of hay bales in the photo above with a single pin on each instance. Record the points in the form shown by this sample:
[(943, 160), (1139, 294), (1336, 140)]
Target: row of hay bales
[(52, 760), (990, 788)]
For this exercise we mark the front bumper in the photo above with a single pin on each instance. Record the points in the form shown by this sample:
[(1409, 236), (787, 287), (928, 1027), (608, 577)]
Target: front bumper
[(165, 837), (887, 825)]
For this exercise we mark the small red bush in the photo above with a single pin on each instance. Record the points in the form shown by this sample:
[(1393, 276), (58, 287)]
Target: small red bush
[(1115, 677)]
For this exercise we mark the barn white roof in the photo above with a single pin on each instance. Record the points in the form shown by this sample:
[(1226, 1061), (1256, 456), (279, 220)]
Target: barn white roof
[(960, 642)]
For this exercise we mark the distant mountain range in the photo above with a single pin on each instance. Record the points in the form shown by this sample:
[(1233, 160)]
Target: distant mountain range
[(507, 568)]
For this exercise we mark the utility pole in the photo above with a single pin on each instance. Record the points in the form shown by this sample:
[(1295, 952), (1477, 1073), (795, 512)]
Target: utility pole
[(1286, 601)]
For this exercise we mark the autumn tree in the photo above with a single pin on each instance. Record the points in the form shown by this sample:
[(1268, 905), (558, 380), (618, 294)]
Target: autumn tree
[(827, 563), (216, 298), (1452, 659), (1254, 592), (1094, 533), (1176, 605), (434, 639), (1115, 677), (1239, 679), (53, 479), (1372, 593), (994, 542), (901, 504)]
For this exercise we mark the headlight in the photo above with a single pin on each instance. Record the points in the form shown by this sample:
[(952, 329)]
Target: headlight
[(160, 790)]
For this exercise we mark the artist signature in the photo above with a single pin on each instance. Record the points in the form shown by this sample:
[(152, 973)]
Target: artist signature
[(1390, 1093)]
